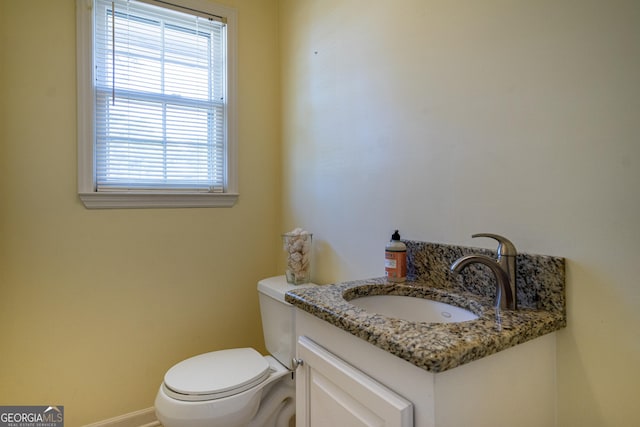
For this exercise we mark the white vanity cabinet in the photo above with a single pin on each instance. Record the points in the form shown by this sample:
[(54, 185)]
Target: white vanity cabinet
[(330, 392), (345, 381)]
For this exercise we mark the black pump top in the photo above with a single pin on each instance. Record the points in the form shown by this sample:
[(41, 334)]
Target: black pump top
[(395, 236)]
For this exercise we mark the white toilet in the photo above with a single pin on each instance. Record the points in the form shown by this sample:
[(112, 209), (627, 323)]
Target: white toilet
[(238, 387)]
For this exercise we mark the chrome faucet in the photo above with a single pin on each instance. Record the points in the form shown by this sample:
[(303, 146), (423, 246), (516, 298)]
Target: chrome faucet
[(503, 267)]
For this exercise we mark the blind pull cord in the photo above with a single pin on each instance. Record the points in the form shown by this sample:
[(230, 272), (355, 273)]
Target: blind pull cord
[(113, 53)]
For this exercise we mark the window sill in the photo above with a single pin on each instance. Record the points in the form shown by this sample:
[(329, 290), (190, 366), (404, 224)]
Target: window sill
[(96, 200)]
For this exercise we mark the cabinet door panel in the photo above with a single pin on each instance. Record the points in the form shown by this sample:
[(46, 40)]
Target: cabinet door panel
[(330, 392)]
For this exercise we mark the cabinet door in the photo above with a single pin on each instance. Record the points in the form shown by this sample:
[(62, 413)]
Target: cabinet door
[(332, 393)]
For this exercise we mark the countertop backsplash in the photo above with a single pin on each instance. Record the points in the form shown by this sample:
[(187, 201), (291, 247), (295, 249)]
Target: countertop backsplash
[(539, 278)]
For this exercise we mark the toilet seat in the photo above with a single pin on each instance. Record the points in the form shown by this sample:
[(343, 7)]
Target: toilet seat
[(216, 375)]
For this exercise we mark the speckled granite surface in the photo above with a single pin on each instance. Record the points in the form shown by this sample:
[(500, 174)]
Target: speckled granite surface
[(437, 347)]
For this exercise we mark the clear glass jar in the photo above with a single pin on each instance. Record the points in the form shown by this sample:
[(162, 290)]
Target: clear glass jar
[(298, 250)]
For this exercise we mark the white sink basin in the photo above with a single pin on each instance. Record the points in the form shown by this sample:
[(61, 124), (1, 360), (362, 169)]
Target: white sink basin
[(413, 309)]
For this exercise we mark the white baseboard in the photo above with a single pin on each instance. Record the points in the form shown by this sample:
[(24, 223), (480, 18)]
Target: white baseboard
[(142, 418)]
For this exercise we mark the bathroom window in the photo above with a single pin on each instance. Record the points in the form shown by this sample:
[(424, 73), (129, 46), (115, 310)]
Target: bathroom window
[(156, 116)]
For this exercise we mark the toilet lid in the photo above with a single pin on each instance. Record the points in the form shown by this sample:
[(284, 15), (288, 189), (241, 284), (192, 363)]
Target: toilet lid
[(216, 374)]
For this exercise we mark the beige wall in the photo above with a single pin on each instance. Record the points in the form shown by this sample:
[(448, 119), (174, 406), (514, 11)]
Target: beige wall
[(447, 118), (96, 305)]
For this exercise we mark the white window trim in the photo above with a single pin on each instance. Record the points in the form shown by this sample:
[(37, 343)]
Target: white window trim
[(86, 128)]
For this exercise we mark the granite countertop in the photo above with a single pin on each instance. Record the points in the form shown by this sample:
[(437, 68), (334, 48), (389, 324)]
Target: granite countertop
[(435, 347)]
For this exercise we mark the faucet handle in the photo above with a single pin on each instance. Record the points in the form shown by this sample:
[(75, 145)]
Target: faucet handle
[(505, 247)]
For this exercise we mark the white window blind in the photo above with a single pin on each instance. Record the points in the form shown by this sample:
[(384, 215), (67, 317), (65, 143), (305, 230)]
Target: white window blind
[(159, 99)]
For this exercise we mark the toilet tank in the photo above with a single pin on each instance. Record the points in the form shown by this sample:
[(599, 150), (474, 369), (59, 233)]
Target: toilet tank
[(278, 318)]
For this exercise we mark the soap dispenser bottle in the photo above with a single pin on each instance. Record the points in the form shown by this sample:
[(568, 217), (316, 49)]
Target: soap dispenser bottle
[(395, 259)]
